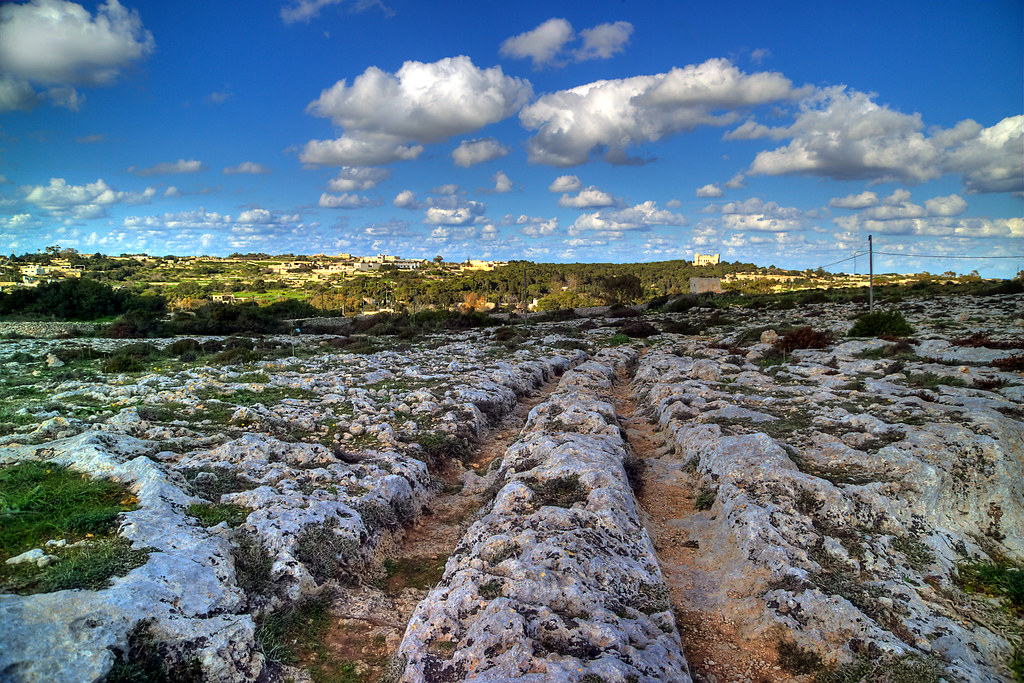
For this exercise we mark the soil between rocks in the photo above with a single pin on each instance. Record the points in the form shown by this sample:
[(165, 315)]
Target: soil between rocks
[(714, 643), (370, 620)]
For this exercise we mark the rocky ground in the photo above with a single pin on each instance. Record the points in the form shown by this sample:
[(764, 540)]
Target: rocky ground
[(551, 501)]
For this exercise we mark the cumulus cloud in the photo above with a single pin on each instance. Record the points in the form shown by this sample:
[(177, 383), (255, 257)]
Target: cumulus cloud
[(92, 200), (448, 188), (57, 44), (737, 182), (541, 44), (358, 149), (470, 152), (854, 201), (710, 190), (845, 135), (355, 179), (640, 217), (406, 200), (383, 113), (344, 201), (169, 167), (460, 216), (604, 40), (759, 215), (533, 226), (989, 159), (502, 184), (590, 198), (952, 205), (546, 44), (305, 10), (613, 115), (250, 167), (566, 183)]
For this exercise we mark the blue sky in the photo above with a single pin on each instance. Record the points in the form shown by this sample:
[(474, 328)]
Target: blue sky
[(780, 133)]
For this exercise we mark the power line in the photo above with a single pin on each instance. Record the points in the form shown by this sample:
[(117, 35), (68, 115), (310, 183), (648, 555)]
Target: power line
[(849, 258), (943, 256)]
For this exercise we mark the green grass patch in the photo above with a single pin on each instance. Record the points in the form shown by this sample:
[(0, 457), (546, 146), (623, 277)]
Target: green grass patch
[(40, 501), (144, 661), (89, 566), (997, 579), (211, 514), (248, 397), (886, 668), (931, 380), (412, 572), (616, 340)]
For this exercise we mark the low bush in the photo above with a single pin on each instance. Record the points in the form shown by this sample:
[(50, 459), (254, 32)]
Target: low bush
[(705, 498), (881, 324), (803, 338), (639, 329)]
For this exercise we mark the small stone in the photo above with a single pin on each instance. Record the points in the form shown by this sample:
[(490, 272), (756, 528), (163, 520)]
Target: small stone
[(769, 336)]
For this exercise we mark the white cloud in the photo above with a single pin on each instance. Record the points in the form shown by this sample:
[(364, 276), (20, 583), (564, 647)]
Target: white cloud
[(759, 215), (16, 95), (169, 167), (854, 201), (91, 139), (952, 205), (710, 190), (406, 200), (541, 44), (305, 10), (465, 214), (673, 204), (758, 55), (470, 152), (359, 149), (247, 167), (566, 183), (604, 40), (382, 113), (58, 44), (640, 217), (737, 182), (88, 201), (534, 227), (344, 201), (354, 179), (448, 188), (502, 184), (218, 97), (590, 198), (989, 159), (613, 115), (845, 135), (546, 44)]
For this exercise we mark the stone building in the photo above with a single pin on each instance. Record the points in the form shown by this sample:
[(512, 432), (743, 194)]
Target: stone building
[(706, 259)]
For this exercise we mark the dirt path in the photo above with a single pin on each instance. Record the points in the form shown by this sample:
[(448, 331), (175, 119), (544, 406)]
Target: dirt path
[(715, 646), (370, 620)]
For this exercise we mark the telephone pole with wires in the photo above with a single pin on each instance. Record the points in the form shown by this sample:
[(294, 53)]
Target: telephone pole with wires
[(871, 277)]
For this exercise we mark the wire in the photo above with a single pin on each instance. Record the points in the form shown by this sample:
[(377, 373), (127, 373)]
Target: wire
[(849, 258), (942, 256)]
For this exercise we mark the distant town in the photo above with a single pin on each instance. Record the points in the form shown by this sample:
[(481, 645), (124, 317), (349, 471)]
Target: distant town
[(351, 282)]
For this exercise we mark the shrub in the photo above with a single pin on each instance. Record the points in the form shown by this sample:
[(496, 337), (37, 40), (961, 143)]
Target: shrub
[(796, 659), (181, 346), (881, 324), (706, 498), (144, 661), (639, 329), (325, 552), (253, 564), (563, 492), (803, 338)]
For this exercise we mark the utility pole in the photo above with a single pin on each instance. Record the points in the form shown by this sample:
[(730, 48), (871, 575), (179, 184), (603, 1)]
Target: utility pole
[(526, 306), (871, 276)]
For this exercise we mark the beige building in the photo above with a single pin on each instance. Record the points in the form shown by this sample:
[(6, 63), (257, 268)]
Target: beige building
[(706, 259)]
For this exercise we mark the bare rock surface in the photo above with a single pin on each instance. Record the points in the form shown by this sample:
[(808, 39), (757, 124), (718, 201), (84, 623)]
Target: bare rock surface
[(557, 580)]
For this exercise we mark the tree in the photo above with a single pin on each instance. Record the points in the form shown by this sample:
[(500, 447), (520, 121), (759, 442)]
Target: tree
[(620, 289)]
